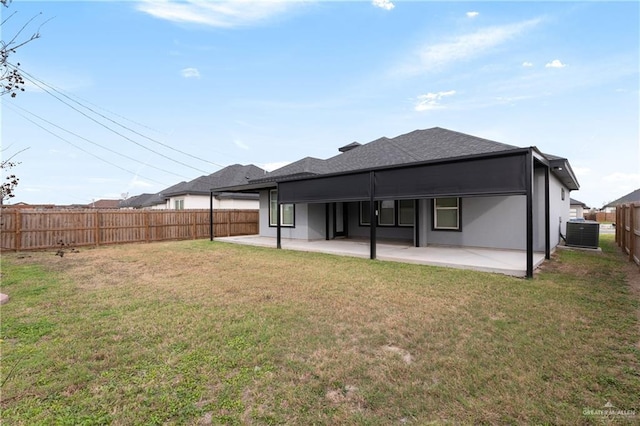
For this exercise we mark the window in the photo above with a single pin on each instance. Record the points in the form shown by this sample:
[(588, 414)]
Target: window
[(386, 213), (406, 213), (287, 211), (178, 204), (365, 213), (390, 213), (446, 214)]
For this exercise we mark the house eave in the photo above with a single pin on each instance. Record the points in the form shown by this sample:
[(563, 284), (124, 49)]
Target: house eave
[(511, 152), (562, 170), (249, 187)]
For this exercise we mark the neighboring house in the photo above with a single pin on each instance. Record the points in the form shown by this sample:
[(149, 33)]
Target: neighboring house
[(196, 194), (142, 201), (104, 204), (427, 187), (632, 197), (576, 209)]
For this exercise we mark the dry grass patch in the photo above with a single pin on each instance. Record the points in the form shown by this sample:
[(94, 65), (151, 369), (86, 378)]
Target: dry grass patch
[(211, 333)]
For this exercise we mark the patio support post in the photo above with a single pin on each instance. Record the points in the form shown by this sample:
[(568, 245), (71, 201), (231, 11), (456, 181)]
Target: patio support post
[(373, 219), (211, 216), (547, 219), (326, 221), (416, 222), (528, 167), (278, 229)]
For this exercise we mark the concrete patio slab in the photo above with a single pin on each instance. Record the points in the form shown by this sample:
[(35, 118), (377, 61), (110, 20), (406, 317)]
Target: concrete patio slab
[(508, 262)]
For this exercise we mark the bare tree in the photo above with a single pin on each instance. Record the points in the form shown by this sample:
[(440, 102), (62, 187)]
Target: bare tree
[(11, 180), (11, 80)]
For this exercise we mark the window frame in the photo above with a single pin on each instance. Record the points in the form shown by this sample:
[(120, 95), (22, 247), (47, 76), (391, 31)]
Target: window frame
[(393, 214), (178, 204), (399, 213), (273, 193), (434, 216), (363, 211)]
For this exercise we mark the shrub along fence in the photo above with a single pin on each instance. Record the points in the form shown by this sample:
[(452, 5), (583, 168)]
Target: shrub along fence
[(37, 230), (628, 230)]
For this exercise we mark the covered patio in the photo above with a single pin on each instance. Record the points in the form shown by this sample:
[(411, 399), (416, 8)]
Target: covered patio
[(508, 262)]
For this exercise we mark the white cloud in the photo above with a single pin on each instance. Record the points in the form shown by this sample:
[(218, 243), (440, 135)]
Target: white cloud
[(433, 57), (431, 101), (101, 180), (472, 14), (190, 73), (136, 182), (274, 166), (240, 144), (619, 177), (383, 4), (224, 14), (527, 64), (582, 171), (556, 63)]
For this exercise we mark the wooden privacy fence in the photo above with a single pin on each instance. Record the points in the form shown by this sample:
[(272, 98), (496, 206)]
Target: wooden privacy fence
[(628, 230), (37, 230)]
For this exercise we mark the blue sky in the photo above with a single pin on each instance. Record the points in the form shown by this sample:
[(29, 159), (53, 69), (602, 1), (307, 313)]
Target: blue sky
[(208, 84)]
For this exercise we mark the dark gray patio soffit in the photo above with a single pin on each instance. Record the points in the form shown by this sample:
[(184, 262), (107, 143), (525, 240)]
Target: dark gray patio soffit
[(475, 175), (249, 187), (561, 168)]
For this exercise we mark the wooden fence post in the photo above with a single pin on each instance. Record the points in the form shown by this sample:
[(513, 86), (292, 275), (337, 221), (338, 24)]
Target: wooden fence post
[(146, 218), (18, 227), (228, 223), (194, 228), (96, 227), (618, 223), (632, 231)]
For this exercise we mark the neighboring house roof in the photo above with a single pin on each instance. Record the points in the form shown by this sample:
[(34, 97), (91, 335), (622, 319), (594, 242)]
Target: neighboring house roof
[(105, 204), (235, 174), (632, 197), (574, 202), (137, 201)]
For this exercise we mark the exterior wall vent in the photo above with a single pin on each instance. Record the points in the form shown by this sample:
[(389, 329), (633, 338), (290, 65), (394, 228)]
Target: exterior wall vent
[(583, 234)]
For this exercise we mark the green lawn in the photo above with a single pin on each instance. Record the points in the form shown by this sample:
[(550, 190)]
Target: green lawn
[(211, 333)]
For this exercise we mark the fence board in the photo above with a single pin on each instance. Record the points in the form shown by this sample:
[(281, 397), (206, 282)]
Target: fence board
[(35, 230), (628, 230)]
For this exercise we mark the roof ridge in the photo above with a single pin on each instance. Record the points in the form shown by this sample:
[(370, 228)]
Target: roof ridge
[(403, 149)]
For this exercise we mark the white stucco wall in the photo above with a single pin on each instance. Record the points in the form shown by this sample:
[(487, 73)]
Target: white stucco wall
[(203, 202), (492, 222), (301, 228), (384, 232), (558, 209), (233, 204), (576, 212)]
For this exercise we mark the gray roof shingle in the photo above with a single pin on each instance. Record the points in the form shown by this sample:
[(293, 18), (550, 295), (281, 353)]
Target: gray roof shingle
[(305, 167), (417, 146), (632, 197), (235, 174)]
